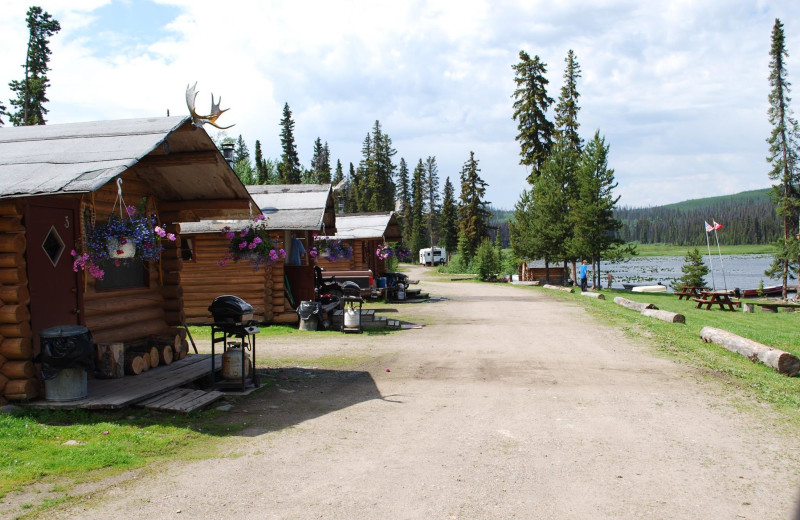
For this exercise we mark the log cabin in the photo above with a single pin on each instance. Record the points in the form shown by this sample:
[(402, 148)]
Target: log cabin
[(55, 179), (535, 271), (294, 211), (364, 232)]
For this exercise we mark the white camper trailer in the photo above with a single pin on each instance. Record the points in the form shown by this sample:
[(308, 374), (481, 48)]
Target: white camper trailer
[(433, 256)]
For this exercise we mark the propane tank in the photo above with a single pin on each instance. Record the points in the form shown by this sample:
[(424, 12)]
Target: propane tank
[(401, 291), (351, 318), (232, 362)]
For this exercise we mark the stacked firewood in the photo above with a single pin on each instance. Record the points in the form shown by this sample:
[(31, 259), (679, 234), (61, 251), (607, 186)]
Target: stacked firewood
[(134, 357)]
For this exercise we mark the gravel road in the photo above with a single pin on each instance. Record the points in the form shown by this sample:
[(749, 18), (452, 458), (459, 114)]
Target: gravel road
[(506, 404)]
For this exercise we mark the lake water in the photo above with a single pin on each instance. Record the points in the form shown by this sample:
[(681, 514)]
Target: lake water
[(742, 271)]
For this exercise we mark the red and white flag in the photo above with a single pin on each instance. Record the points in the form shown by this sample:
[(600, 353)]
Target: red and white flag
[(709, 227), (717, 225)]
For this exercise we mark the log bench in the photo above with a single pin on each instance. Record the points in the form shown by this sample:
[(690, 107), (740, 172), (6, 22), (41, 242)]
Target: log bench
[(773, 307)]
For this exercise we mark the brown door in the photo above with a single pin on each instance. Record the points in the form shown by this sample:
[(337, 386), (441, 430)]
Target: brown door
[(51, 230)]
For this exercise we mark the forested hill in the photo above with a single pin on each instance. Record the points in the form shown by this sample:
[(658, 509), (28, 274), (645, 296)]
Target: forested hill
[(747, 218)]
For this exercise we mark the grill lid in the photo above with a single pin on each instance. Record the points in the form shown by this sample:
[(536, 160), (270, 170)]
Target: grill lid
[(229, 305)]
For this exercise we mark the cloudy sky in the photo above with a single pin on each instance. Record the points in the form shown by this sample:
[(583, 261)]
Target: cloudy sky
[(678, 88)]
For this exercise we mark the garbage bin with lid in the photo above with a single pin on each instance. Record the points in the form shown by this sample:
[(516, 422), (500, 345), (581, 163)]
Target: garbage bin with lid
[(309, 315), (67, 353)]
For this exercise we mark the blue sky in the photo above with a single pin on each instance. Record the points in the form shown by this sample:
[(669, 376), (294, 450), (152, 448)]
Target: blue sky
[(678, 89)]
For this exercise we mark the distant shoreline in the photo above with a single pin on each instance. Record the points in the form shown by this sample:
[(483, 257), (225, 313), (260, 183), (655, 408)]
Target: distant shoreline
[(672, 250)]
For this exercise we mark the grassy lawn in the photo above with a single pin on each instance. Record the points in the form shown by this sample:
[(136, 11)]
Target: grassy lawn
[(672, 250), (681, 343)]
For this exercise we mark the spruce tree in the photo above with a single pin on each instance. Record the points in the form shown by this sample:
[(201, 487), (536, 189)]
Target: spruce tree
[(317, 164), (523, 230), (531, 104), (2, 113), (432, 194), (338, 176), (351, 204), (289, 169), (240, 151), (380, 173), (404, 186), (567, 107), (473, 212), (418, 238), (31, 91), (783, 155), (261, 166), (448, 223), (694, 270)]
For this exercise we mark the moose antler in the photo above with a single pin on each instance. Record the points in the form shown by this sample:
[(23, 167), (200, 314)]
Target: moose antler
[(191, 96)]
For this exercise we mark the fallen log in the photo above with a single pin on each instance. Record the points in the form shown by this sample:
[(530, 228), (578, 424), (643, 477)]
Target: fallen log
[(596, 295), (668, 316), (559, 288), (784, 362), (636, 306)]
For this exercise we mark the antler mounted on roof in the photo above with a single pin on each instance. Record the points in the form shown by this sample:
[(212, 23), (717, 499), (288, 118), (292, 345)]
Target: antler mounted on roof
[(199, 120)]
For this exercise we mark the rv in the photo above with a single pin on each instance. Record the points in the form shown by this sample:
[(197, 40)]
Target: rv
[(438, 256)]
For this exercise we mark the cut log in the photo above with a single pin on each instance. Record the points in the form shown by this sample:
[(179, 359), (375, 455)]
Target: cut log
[(19, 370), (135, 364), (668, 316), (11, 225), (11, 260), (166, 354), (12, 243), (153, 357), (559, 288), (16, 348), (13, 275), (19, 389), (110, 360), (3, 382), (18, 294), (596, 295), (784, 362), (636, 306), (14, 313)]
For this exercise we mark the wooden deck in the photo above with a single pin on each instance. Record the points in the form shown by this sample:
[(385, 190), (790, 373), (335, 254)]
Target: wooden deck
[(112, 394)]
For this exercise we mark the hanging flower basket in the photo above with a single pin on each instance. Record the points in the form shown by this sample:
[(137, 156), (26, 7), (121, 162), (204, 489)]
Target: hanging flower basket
[(332, 249), (122, 247), (252, 243)]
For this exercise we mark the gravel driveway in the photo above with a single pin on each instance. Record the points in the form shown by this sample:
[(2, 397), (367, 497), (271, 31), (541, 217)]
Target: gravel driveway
[(507, 404)]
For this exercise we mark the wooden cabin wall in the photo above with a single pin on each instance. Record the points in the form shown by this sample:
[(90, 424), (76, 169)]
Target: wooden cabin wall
[(17, 371), (533, 274), (204, 279), (128, 314)]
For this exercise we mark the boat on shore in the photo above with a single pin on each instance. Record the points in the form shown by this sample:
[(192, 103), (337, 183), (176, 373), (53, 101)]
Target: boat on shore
[(650, 288), (772, 290), (633, 286)]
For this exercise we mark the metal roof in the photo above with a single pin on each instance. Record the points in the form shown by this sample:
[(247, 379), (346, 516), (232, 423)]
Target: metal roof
[(180, 162), (295, 207), (368, 225)]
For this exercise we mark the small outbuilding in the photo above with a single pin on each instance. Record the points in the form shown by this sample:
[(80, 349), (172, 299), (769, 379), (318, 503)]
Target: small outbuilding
[(536, 271), (364, 232), (57, 179)]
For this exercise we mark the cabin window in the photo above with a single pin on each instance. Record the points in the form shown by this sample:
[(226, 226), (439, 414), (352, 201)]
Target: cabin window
[(124, 276), (187, 249)]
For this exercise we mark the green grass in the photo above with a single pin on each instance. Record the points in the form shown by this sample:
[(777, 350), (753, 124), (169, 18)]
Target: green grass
[(758, 383), (672, 250), (32, 441)]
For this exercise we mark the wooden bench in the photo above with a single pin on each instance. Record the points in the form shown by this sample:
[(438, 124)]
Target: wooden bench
[(773, 307), (721, 298)]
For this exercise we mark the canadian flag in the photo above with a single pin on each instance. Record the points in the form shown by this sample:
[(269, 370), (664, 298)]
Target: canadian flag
[(717, 225)]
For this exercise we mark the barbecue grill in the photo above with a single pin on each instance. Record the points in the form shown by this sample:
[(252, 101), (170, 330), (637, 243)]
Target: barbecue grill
[(233, 325)]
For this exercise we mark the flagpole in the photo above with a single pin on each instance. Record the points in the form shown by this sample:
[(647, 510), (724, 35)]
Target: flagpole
[(722, 264), (710, 262)]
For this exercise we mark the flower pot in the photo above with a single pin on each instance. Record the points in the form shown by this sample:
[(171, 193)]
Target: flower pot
[(121, 248)]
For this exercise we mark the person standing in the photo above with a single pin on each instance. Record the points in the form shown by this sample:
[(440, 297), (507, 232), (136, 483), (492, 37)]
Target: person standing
[(583, 274), (610, 279)]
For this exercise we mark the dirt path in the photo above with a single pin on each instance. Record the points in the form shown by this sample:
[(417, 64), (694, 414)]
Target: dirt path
[(506, 405)]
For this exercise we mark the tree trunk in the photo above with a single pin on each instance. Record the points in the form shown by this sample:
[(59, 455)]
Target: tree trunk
[(784, 362), (668, 316), (636, 306)]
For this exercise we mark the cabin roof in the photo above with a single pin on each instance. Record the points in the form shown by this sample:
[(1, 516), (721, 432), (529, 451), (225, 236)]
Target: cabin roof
[(180, 163), (294, 207), (368, 225)]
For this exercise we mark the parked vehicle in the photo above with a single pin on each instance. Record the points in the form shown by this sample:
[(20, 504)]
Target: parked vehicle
[(433, 256)]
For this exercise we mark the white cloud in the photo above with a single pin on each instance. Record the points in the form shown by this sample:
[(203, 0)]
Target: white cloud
[(679, 89)]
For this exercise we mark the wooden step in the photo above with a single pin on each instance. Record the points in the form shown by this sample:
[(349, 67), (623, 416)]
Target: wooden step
[(183, 400)]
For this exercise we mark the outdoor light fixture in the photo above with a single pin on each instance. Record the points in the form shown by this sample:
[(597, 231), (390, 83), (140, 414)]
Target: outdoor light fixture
[(227, 152)]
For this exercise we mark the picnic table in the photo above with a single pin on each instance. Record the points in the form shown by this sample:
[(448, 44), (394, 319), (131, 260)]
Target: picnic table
[(689, 291), (721, 298)]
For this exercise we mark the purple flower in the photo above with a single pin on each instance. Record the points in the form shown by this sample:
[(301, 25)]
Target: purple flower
[(171, 237), (252, 245), (257, 240), (160, 232), (242, 245), (273, 255), (131, 210), (229, 235)]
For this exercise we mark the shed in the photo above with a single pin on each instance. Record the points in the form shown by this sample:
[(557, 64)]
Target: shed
[(364, 232), (293, 211), (53, 179), (537, 271)]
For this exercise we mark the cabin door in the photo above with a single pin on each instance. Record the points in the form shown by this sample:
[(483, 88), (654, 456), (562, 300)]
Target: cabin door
[(52, 226)]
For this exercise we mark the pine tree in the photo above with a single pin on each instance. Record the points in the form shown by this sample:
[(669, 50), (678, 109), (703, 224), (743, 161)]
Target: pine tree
[(338, 176), (2, 113), (694, 270), (289, 168), (530, 111), (783, 154), (240, 151), (380, 173), (31, 91), (261, 165), (522, 228), (567, 107), (448, 223), (317, 163), (432, 194), (353, 186), (418, 238), (473, 214), (405, 200)]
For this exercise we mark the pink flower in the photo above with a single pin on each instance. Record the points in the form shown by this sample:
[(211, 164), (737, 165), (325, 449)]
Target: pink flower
[(159, 231), (229, 235), (261, 217), (171, 237), (257, 240), (242, 245), (243, 233), (273, 255), (252, 245), (283, 253), (131, 210)]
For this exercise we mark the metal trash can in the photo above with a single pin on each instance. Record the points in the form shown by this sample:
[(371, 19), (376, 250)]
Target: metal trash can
[(67, 353), (309, 315)]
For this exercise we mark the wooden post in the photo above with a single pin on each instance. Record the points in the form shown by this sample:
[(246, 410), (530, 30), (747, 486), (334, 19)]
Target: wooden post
[(784, 362), (111, 360)]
